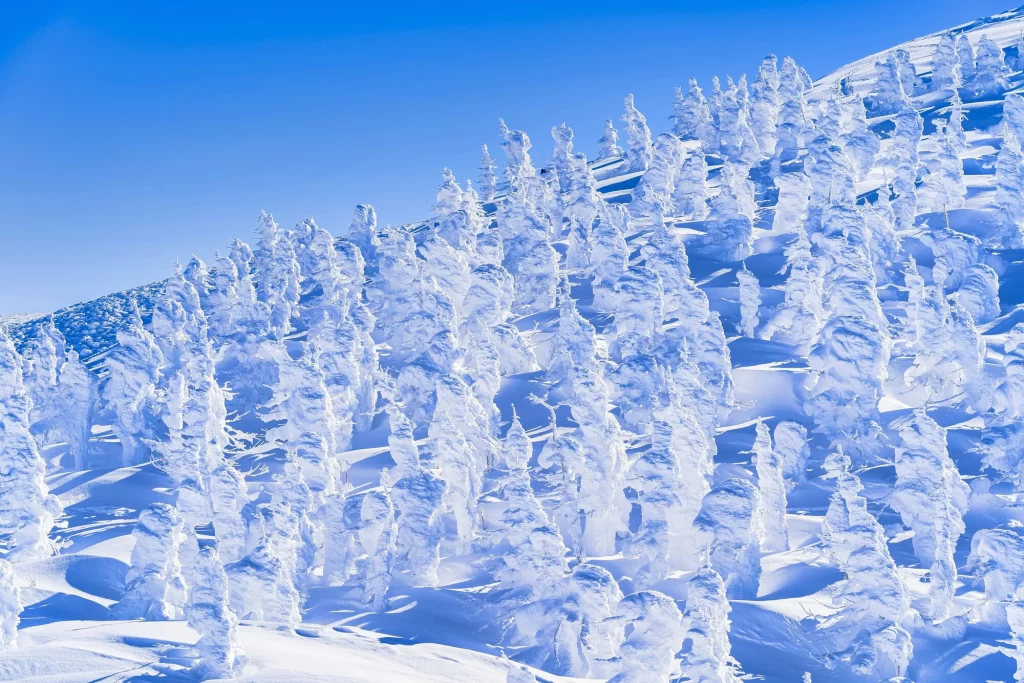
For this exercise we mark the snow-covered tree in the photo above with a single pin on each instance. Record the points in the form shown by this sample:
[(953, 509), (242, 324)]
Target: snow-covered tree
[(691, 116), (10, 606), (638, 151), (690, 195), (488, 180), (792, 123), (860, 143), (609, 142), (965, 57), (458, 465), (362, 232), (419, 497), (991, 74), (750, 300), (262, 589), (997, 557), (889, 94), (41, 363), (648, 652), (867, 629), (943, 188), (27, 510), (706, 621), (154, 588), (730, 227), (792, 449), (764, 104), (931, 498), (791, 206), (208, 614), (731, 529), (277, 271), (130, 390), (979, 293), (589, 635), (1010, 174), (771, 487), (653, 194), (798, 319), (945, 65), (76, 394)]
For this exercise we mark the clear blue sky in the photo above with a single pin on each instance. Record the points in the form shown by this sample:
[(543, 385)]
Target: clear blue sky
[(134, 133)]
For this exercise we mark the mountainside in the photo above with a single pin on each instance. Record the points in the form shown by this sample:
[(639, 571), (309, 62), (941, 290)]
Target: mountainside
[(743, 400)]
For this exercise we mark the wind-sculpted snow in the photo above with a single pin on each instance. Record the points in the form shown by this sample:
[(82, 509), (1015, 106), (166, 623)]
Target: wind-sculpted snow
[(741, 399)]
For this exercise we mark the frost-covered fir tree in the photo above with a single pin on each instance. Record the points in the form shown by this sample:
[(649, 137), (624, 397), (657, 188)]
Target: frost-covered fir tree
[(706, 620), (997, 558), (791, 206), (648, 652), (690, 195), (1010, 175), (860, 143), (945, 65), (771, 487), (638, 151), (730, 226), (750, 300), (458, 465), (228, 497), (10, 606), (277, 271), (979, 293), (943, 188), (262, 589), (41, 364), (691, 116), (792, 123), (731, 529), (965, 57), (798, 319), (889, 94), (488, 180), (77, 394), (764, 104), (154, 588), (991, 74), (867, 629), (931, 498), (791, 447), (609, 142), (589, 635), (130, 390), (362, 231), (653, 194), (27, 510), (208, 614)]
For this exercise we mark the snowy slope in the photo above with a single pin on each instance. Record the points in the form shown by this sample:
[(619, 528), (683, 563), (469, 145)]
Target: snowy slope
[(453, 631)]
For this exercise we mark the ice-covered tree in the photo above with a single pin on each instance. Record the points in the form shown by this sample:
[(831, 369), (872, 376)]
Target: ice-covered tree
[(277, 275), (730, 227), (889, 94), (690, 195), (979, 293), (792, 123), (589, 635), (706, 621), (736, 139), (418, 496), (798, 319), (860, 143), (154, 587), (931, 498), (791, 206), (791, 447), (771, 487), (764, 104), (732, 531), (130, 390), (638, 151), (991, 74), (945, 65), (362, 231), (458, 465), (652, 196), (997, 557), (208, 614), (609, 142), (10, 606), (43, 357), (647, 653), (77, 394), (1008, 398), (965, 57), (27, 510), (691, 116), (262, 589), (943, 188), (867, 628), (750, 300), (1010, 175)]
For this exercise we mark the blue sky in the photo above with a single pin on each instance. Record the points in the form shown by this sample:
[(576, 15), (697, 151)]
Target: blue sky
[(134, 133)]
